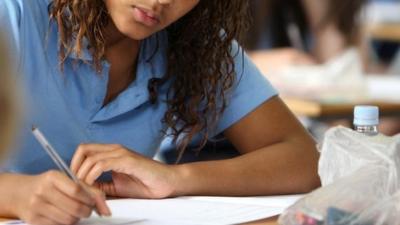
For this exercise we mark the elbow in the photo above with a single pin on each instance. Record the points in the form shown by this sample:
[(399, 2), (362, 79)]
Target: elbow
[(309, 184), (306, 170), (309, 175)]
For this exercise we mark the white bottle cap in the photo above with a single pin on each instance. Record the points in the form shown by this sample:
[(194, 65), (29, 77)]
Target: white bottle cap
[(365, 115)]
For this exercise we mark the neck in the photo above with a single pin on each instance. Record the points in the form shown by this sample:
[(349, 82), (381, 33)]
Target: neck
[(119, 45), (121, 53)]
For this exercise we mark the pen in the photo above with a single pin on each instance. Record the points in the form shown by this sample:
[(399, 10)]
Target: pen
[(56, 158), (294, 35), (14, 222)]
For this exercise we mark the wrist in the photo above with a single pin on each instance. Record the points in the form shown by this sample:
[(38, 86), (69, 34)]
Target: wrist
[(11, 190), (180, 181)]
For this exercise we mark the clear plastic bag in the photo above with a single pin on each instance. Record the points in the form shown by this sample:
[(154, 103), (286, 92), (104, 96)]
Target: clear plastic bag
[(361, 183), (344, 151)]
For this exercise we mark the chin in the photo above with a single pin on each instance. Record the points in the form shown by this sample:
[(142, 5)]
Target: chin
[(138, 36), (137, 32)]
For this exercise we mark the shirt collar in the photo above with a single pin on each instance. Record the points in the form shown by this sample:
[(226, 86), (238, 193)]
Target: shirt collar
[(152, 63)]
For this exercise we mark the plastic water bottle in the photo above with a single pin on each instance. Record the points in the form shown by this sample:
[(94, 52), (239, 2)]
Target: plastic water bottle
[(366, 119)]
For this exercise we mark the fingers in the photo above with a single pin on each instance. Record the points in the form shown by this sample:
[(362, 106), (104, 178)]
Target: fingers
[(55, 199), (69, 205), (71, 189), (78, 200), (57, 215), (104, 165), (85, 150), (44, 212), (88, 165), (90, 161), (41, 220), (100, 200)]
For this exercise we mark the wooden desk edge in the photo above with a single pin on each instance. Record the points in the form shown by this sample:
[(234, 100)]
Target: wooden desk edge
[(388, 32), (267, 221), (316, 109)]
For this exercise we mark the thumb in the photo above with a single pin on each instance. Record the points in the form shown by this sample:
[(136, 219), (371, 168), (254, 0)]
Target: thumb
[(100, 200)]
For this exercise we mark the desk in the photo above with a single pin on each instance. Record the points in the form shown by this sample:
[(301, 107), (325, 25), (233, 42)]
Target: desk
[(387, 32), (269, 221), (322, 111)]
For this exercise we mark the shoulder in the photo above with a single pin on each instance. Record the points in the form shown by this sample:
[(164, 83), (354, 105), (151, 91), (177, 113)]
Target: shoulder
[(16, 10), (248, 75), (250, 90), (10, 23), (10, 10), (15, 13), (20, 20)]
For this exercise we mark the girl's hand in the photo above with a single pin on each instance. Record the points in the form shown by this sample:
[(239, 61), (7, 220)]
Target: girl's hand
[(132, 174), (53, 198)]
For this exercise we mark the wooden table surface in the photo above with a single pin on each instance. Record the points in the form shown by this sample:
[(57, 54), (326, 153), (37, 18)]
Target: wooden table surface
[(269, 221), (387, 32), (320, 110)]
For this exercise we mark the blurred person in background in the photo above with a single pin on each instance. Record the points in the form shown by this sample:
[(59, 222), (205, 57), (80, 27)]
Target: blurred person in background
[(7, 102), (302, 32), (308, 32)]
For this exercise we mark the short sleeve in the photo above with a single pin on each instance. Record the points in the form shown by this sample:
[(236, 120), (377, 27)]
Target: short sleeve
[(10, 25), (250, 91)]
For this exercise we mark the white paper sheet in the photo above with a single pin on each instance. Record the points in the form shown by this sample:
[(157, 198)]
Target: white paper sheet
[(90, 221), (271, 201), (203, 210), (192, 210)]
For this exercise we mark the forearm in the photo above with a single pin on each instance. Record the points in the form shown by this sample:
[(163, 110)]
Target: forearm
[(329, 43), (282, 168), (10, 185), (315, 11)]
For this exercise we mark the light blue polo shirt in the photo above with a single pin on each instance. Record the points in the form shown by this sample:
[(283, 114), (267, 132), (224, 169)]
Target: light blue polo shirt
[(67, 106)]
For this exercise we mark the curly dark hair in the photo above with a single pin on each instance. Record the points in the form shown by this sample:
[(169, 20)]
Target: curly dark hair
[(200, 64)]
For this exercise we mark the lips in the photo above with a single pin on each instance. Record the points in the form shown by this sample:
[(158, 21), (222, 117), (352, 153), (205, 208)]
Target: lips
[(145, 17)]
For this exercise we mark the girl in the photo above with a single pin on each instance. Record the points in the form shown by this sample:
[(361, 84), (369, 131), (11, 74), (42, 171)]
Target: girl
[(116, 74)]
